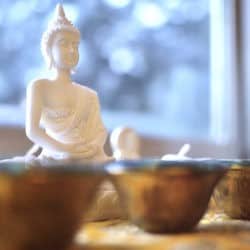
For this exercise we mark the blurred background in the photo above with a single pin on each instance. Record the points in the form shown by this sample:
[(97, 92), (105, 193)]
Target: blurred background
[(174, 70)]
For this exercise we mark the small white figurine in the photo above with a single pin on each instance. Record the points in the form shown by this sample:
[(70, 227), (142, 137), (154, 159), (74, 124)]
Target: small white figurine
[(181, 155), (63, 117), (125, 143)]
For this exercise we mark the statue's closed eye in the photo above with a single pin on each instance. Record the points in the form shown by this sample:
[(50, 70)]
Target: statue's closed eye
[(63, 42), (66, 43)]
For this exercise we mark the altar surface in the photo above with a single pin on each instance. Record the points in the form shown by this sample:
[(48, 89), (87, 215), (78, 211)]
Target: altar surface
[(214, 232)]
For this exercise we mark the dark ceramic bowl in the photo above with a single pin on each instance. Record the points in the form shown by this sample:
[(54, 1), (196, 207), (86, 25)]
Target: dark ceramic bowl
[(166, 196), (232, 195), (42, 207)]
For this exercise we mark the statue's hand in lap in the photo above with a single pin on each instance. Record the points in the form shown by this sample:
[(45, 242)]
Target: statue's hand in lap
[(85, 150)]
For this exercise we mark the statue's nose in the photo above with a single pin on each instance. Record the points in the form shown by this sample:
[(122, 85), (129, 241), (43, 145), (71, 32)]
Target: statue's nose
[(71, 49)]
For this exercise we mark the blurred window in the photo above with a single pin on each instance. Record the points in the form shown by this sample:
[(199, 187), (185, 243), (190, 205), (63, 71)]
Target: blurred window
[(148, 60)]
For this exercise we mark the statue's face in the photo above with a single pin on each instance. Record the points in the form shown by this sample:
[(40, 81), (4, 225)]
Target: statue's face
[(64, 50)]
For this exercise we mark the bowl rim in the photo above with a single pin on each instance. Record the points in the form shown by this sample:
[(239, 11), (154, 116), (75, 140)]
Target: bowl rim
[(19, 167), (238, 164), (150, 164)]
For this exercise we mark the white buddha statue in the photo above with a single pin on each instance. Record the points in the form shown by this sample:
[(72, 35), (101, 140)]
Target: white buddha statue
[(63, 117)]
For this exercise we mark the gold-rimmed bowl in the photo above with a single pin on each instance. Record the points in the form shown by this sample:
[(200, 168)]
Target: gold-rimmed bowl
[(166, 196), (42, 207), (232, 195)]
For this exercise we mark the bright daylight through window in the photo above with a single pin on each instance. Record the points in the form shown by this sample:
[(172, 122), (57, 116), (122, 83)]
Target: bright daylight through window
[(148, 60)]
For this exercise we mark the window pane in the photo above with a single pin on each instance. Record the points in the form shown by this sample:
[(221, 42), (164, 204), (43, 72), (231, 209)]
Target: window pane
[(148, 60)]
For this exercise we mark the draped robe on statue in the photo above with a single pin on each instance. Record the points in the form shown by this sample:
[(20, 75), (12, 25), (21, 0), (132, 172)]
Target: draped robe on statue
[(82, 123), (78, 124)]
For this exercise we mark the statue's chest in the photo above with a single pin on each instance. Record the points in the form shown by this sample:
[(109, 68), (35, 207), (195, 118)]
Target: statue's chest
[(57, 114), (57, 99)]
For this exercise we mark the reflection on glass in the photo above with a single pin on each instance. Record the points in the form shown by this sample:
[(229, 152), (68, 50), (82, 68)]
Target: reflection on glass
[(117, 3), (150, 14)]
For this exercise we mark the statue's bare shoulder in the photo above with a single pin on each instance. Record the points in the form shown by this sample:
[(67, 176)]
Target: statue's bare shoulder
[(86, 91), (38, 85)]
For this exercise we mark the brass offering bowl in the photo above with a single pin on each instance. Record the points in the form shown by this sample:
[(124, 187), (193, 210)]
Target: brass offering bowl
[(42, 207), (166, 196), (232, 195)]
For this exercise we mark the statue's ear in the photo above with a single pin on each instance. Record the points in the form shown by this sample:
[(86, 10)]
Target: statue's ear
[(49, 59), (51, 62)]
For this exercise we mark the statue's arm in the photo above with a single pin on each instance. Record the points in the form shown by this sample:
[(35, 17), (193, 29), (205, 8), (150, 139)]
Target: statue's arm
[(33, 115)]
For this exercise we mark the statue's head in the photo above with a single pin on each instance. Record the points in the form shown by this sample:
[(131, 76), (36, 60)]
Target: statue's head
[(60, 42)]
